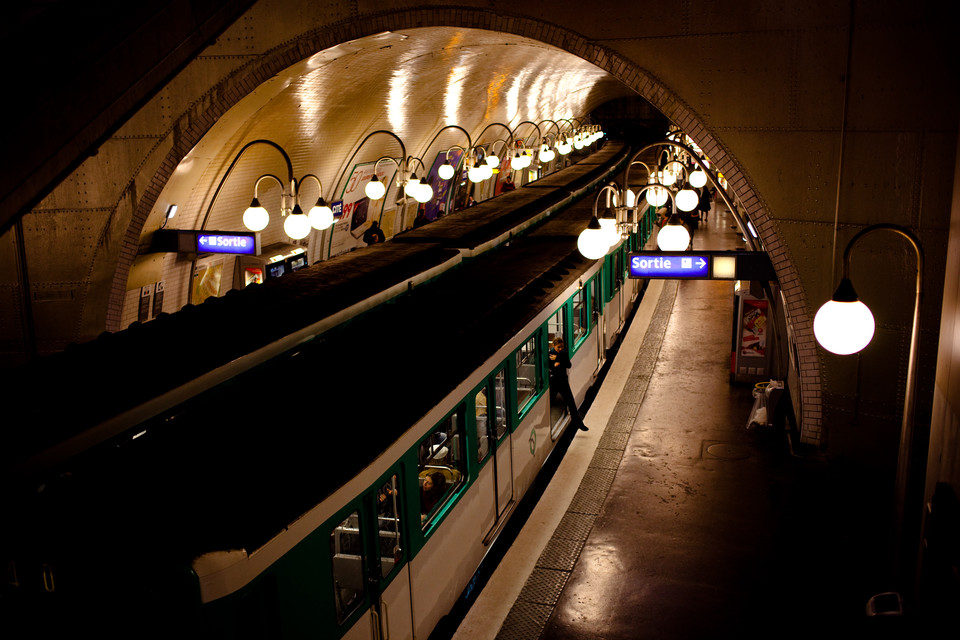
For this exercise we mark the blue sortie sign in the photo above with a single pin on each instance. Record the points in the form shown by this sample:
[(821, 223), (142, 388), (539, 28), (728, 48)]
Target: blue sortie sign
[(670, 266), (226, 243)]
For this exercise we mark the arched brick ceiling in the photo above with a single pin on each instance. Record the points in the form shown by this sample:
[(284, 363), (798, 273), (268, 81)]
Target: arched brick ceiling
[(412, 84)]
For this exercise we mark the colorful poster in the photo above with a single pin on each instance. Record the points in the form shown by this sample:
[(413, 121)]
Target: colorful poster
[(438, 206), (753, 337), (358, 210), (206, 282)]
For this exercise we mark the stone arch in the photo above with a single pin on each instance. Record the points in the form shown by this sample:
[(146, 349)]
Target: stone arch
[(191, 125)]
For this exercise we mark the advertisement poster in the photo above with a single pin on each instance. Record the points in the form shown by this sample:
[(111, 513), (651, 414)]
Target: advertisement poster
[(358, 210), (436, 207), (753, 337), (206, 282), (505, 171)]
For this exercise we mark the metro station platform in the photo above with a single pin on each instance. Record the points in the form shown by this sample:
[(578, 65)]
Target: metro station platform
[(670, 518)]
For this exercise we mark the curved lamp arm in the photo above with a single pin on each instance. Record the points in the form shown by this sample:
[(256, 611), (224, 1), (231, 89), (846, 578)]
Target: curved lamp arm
[(236, 159), (846, 293), (403, 154)]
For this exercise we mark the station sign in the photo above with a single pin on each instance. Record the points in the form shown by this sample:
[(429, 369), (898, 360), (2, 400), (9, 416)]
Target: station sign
[(234, 243), (701, 265), (190, 241), (670, 266)]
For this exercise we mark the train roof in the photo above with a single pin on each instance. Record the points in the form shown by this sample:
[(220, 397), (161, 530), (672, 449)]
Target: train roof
[(233, 467), (61, 396)]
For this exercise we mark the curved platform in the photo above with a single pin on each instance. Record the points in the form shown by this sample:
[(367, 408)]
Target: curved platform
[(662, 523)]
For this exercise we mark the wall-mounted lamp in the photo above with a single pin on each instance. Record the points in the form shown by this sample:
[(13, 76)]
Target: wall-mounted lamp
[(844, 325)]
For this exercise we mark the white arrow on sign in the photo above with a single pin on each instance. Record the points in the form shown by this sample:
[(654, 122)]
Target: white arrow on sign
[(702, 263)]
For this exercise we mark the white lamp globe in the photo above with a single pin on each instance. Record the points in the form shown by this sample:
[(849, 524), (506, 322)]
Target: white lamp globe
[(667, 177), (375, 189), (629, 199), (578, 143), (673, 237), (297, 225), (475, 174), (657, 196), (411, 186), (445, 171), (320, 216), (844, 325), (698, 178), (563, 148), (687, 200), (609, 228), (492, 161), (486, 171), (256, 217), (591, 242), (547, 154), (424, 191)]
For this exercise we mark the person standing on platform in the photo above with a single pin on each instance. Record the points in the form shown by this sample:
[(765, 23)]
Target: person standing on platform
[(706, 198), (560, 384)]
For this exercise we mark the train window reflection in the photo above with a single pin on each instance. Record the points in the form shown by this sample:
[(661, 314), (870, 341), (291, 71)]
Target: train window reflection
[(581, 322), (528, 373), (500, 404), (346, 550), (388, 518), (442, 465), (555, 327), (483, 439)]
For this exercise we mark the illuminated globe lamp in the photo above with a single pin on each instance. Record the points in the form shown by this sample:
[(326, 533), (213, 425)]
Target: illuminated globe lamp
[(297, 225), (698, 178), (411, 186), (657, 196), (375, 188), (687, 200), (492, 161), (844, 325), (475, 174), (321, 215), (423, 192), (592, 241), (486, 171), (564, 147), (445, 171), (673, 236), (608, 224), (256, 217), (546, 153)]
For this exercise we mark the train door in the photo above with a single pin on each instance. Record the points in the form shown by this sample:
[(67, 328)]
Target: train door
[(370, 569), (491, 403), (596, 293)]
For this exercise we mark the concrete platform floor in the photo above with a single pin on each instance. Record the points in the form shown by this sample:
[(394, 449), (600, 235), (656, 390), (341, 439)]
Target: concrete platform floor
[(671, 519)]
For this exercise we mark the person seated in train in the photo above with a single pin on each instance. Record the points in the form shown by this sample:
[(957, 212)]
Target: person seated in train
[(432, 487)]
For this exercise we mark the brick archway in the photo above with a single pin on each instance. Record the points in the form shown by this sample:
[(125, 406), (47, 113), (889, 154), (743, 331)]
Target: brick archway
[(193, 124)]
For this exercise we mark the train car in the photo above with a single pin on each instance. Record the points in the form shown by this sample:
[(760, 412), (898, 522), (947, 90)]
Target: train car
[(346, 488)]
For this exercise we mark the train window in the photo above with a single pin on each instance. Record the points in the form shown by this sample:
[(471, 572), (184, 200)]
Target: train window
[(528, 373), (346, 551), (581, 317), (388, 518), (555, 327), (500, 404), (483, 439), (442, 465)]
